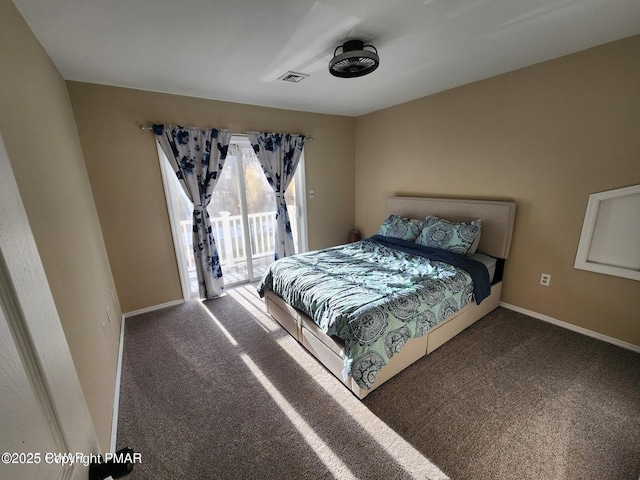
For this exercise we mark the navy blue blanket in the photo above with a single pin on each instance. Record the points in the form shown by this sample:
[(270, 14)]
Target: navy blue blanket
[(477, 270)]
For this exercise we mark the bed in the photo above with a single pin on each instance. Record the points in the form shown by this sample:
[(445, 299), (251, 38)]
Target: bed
[(421, 303)]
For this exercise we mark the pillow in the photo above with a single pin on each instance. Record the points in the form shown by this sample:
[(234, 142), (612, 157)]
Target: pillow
[(457, 237), (401, 227), (474, 245)]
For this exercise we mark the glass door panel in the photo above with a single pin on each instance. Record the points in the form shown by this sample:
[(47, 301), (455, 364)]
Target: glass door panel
[(180, 211), (243, 211), (261, 212), (226, 214)]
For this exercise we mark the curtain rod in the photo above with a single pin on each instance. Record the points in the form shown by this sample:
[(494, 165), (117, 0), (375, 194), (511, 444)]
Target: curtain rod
[(145, 128)]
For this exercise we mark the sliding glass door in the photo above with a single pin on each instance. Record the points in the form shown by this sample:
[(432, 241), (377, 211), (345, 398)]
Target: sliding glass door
[(242, 213)]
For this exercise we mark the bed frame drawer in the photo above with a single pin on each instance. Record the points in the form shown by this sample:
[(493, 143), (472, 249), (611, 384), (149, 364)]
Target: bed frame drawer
[(335, 345), (447, 330), (285, 315), (332, 362)]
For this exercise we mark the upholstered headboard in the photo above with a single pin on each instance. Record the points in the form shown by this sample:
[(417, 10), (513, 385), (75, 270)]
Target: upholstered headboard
[(497, 217)]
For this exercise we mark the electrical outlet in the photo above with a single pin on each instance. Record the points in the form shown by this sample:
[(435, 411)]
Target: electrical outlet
[(545, 279), (113, 295), (108, 315)]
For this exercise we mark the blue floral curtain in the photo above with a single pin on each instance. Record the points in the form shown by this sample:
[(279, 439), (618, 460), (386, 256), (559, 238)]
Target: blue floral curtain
[(279, 154), (197, 157)]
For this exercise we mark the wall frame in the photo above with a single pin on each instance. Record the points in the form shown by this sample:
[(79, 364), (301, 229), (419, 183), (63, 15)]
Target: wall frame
[(610, 238)]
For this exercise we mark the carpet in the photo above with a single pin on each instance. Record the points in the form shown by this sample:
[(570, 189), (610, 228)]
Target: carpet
[(217, 390)]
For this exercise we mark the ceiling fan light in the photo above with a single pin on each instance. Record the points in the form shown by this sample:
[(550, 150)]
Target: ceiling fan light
[(354, 61)]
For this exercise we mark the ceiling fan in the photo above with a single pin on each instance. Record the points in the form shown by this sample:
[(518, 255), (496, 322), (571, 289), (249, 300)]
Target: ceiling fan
[(313, 44), (356, 60)]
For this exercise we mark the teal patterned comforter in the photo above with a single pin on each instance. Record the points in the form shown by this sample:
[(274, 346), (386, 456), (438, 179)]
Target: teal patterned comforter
[(372, 295)]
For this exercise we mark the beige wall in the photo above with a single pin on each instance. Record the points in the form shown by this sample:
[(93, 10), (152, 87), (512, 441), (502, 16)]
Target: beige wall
[(546, 136), (39, 131), (123, 167)]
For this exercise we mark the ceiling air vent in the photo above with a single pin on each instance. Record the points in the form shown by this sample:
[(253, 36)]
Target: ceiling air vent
[(294, 77)]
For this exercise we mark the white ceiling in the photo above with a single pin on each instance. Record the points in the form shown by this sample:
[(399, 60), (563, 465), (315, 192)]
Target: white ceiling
[(235, 50)]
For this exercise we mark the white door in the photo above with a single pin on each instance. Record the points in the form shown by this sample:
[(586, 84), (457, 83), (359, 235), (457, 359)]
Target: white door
[(43, 414)]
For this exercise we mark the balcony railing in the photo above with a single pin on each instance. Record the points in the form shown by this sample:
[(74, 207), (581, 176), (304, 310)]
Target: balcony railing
[(228, 232)]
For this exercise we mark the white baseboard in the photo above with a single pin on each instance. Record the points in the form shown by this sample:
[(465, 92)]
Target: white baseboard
[(575, 328), (153, 308)]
